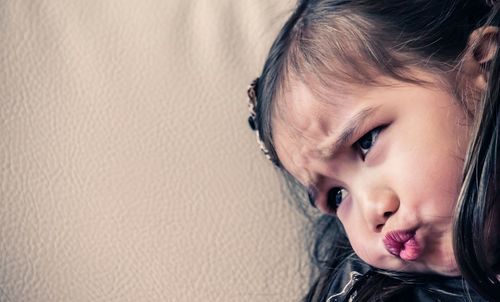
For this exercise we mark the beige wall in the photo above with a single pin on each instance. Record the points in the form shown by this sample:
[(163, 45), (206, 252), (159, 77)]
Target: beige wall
[(127, 169)]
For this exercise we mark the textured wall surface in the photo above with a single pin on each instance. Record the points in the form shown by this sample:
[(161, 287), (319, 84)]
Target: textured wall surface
[(127, 171)]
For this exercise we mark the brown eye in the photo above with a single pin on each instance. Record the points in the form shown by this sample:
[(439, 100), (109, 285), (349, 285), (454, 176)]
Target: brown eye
[(335, 197)]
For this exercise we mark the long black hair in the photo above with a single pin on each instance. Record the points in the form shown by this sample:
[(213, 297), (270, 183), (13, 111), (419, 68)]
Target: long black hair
[(334, 42), (477, 222)]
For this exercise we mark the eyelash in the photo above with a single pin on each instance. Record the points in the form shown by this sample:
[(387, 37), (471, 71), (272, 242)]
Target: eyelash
[(332, 201)]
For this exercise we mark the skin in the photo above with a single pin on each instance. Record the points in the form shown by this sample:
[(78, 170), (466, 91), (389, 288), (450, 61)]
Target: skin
[(409, 179)]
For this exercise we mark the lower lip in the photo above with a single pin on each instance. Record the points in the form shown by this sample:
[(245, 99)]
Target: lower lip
[(403, 245), (411, 250)]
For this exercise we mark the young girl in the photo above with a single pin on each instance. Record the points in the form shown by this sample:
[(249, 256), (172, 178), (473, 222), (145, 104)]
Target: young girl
[(386, 113)]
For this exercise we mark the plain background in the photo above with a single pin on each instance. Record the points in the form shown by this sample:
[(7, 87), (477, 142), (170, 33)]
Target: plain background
[(127, 169)]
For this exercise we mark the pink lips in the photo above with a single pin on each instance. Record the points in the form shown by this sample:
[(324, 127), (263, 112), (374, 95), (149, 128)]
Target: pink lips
[(402, 244)]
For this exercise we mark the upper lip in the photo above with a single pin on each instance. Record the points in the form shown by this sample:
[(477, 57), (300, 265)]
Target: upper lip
[(400, 236)]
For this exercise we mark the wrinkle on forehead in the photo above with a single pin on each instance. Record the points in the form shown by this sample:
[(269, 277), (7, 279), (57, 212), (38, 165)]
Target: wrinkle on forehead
[(302, 110), (302, 120)]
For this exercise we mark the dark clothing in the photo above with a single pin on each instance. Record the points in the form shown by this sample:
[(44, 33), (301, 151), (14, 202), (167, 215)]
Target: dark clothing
[(353, 274)]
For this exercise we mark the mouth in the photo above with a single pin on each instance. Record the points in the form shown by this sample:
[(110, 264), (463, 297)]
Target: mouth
[(402, 244)]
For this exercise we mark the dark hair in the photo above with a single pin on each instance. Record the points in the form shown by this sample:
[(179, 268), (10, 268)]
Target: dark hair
[(333, 42), (477, 222)]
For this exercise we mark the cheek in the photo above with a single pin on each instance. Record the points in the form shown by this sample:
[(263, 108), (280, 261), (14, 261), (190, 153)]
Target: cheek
[(438, 185), (362, 240), (429, 176), (364, 247), (354, 236)]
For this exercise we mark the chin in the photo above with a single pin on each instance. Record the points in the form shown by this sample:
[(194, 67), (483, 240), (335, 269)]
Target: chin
[(453, 272), (395, 264), (450, 268)]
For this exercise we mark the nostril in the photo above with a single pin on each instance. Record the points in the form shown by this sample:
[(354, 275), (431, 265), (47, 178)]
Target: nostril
[(387, 214), (379, 227)]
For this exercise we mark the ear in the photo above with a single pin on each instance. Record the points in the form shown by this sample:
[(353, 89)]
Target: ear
[(482, 47), (484, 43)]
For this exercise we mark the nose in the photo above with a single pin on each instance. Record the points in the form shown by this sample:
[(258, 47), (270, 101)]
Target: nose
[(377, 206)]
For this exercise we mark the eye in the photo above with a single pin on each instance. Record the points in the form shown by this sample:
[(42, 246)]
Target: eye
[(335, 197), (366, 142)]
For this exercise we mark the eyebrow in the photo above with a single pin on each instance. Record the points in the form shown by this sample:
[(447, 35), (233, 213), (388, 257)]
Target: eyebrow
[(330, 148)]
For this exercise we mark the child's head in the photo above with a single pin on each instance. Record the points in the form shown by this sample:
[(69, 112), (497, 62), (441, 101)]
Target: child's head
[(368, 104)]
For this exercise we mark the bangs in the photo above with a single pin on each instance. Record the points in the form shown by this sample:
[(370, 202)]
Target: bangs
[(346, 51)]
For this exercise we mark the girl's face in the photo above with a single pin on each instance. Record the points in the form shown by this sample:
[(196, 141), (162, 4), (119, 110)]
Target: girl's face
[(387, 161)]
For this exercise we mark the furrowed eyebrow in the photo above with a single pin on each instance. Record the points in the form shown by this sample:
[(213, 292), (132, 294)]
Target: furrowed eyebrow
[(329, 148)]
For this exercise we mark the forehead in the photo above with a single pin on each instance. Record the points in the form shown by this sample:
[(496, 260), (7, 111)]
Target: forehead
[(304, 120)]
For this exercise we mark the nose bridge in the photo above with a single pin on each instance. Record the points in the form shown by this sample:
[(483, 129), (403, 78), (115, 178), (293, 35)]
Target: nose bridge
[(377, 200)]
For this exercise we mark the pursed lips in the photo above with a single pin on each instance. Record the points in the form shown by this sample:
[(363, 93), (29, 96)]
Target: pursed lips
[(402, 243)]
